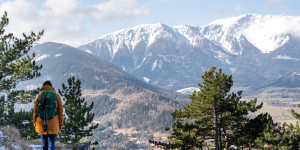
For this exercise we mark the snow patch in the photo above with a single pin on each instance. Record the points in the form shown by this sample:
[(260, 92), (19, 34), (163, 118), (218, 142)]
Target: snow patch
[(221, 56), (154, 65), (296, 74), (42, 57), (2, 136), (123, 68), (188, 34), (32, 86), (36, 147), (284, 57), (141, 63), (146, 79), (17, 146), (188, 90), (88, 51), (104, 130), (57, 55)]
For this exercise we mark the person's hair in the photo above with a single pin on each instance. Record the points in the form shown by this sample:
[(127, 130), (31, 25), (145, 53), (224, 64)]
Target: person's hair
[(47, 83)]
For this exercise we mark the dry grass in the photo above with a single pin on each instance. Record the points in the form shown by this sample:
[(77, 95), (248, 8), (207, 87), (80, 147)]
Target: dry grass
[(14, 140), (162, 136), (93, 93), (283, 95), (128, 131)]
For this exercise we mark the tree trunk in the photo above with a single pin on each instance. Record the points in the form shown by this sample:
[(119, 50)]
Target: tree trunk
[(76, 137), (216, 130), (220, 137)]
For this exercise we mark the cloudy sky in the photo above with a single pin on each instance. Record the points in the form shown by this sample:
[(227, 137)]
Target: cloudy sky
[(76, 22)]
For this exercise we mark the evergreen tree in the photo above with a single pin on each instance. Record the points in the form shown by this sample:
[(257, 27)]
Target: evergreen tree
[(187, 133), (286, 136), (76, 124), (214, 114), (15, 66), (248, 133)]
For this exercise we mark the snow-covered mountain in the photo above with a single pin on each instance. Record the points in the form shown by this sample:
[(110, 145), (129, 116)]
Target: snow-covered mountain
[(254, 48), (265, 32)]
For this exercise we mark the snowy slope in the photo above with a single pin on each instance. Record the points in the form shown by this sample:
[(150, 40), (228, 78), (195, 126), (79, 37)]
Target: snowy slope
[(266, 32), (130, 38)]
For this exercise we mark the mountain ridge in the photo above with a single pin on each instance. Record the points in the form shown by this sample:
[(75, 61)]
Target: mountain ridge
[(174, 57), (231, 23)]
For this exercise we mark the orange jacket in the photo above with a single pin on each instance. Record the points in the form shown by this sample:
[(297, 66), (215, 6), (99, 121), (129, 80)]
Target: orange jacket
[(55, 122)]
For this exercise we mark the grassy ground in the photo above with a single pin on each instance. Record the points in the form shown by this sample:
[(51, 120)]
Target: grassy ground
[(279, 114), (278, 102)]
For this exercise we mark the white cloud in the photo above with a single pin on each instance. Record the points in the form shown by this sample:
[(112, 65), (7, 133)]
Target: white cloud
[(275, 1), (66, 21), (63, 7), (23, 16), (269, 32), (118, 9)]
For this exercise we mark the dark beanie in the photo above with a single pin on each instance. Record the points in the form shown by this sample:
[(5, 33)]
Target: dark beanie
[(47, 83)]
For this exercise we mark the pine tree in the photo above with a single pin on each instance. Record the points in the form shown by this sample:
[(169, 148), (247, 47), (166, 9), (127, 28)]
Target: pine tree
[(214, 114), (187, 133), (286, 136), (251, 130), (76, 124), (15, 66)]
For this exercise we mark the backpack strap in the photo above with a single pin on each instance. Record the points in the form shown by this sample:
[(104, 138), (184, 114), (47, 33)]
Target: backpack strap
[(45, 115)]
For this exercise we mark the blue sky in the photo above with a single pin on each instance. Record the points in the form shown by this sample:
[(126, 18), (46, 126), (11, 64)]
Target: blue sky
[(75, 22)]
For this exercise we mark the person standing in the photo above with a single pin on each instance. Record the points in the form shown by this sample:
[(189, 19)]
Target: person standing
[(48, 122)]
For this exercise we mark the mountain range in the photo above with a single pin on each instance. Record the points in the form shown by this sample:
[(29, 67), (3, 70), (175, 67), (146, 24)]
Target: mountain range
[(255, 49)]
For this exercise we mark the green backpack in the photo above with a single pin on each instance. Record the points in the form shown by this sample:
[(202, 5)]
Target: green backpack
[(47, 108)]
